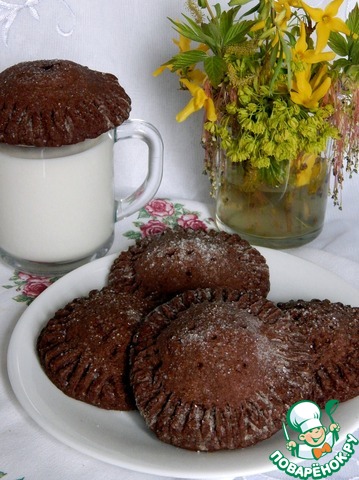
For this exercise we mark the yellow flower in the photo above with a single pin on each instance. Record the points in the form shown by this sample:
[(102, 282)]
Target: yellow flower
[(283, 13), (304, 175), (196, 76), (161, 69), (308, 91), (199, 100), (184, 45), (301, 53), (326, 22), (258, 26)]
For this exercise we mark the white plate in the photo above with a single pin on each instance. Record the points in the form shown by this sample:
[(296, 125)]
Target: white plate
[(121, 438)]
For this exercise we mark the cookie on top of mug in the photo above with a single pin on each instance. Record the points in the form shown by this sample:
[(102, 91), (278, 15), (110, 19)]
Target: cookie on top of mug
[(50, 103)]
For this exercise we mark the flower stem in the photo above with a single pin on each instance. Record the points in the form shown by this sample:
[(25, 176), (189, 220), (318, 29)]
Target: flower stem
[(210, 11)]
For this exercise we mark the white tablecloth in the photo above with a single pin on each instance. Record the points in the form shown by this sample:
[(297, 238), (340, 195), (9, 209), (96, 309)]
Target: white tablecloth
[(27, 451)]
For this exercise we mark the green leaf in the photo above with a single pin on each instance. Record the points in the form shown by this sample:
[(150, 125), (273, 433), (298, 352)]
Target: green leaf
[(252, 10), (188, 59), (276, 173), (274, 55), (138, 224), (23, 299), (225, 22), (353, 72), (179, 207), (232, 3), (192, 31), (218, 9), (338, 44), (237, 33), (133, 235), (342, 63), (277, 71), (215, 67), (143, 214), (292, 36), (227, 19), (213, 34), (353, 19), (288, 56), (354, 53)]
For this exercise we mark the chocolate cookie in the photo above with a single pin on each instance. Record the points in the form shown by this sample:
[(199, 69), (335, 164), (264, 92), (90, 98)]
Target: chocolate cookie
[(216, 369), (49, 103), (176, 260), (332, 333), (83, 349)]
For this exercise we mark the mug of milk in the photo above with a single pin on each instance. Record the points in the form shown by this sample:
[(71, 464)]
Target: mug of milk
[(57, 204)]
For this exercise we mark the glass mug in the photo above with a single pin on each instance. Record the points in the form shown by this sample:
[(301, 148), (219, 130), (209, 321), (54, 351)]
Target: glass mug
[(57, 205)]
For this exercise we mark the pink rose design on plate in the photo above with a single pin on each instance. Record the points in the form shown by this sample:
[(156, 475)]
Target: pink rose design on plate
[(152, 227), (191, 220), (160, 208), (34, 285), (27, 277), (29, 286)]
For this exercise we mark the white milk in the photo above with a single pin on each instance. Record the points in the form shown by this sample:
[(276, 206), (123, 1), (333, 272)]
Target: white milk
[(56, 209)]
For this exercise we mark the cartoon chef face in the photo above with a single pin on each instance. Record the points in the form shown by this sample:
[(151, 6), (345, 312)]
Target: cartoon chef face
[(313, 437), (305, 417)]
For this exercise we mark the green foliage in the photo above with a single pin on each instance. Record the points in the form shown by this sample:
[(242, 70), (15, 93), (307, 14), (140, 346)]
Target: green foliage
[(271, 82), (215, 67), (347, 47), (218, 34), (187, 59), (339, 44), (353, 19), (233, 3), (265, 131), (192, 31)]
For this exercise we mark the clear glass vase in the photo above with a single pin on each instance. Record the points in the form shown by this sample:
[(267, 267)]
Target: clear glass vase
[(284, 211)]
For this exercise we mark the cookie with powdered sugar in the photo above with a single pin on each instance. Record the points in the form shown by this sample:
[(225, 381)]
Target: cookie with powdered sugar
[(331, 330), (83, 348), (176, 260), (216, 369)]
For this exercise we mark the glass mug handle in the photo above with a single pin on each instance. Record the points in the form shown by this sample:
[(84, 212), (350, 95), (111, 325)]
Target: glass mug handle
[(148, 134)]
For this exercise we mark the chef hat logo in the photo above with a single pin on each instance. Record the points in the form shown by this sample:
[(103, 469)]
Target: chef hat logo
[(303, 416)]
